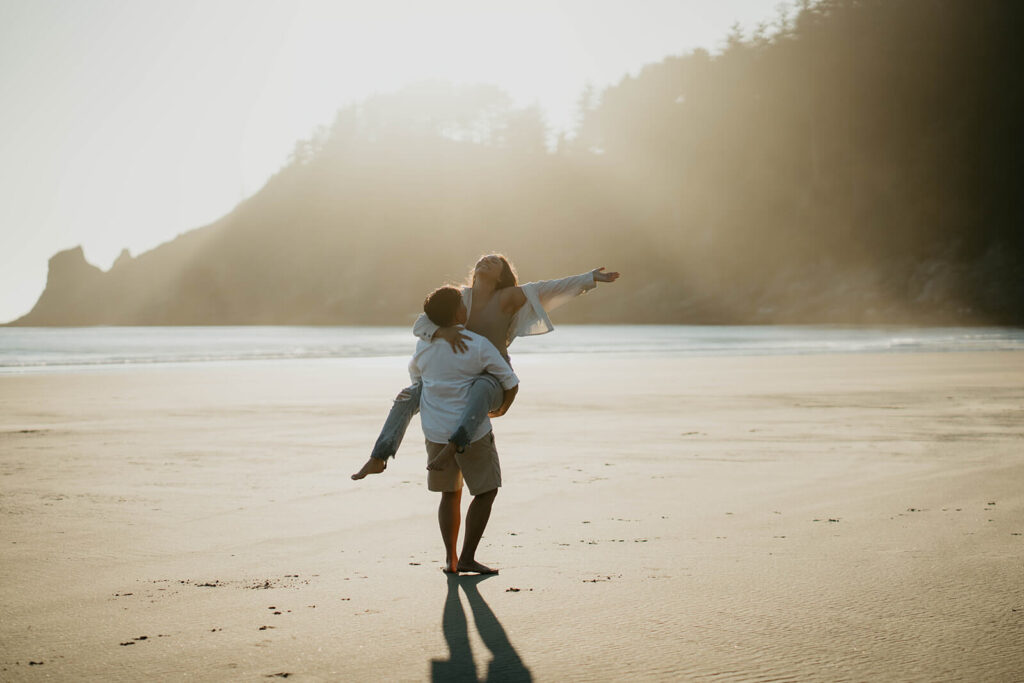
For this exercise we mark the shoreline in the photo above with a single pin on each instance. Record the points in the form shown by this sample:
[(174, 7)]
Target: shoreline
[(89, 350)]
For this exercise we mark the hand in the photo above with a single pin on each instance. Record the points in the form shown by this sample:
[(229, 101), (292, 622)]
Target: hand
[(403, 395), (601, 276), (506, 402), (454, 336)]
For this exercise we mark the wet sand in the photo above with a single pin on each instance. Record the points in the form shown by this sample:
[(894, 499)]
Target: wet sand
[(763, 518)]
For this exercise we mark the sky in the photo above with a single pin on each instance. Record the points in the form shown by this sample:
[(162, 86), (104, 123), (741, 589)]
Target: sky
[(124, 123)]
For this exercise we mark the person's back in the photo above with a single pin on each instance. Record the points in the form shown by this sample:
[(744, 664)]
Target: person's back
[(447, 378)]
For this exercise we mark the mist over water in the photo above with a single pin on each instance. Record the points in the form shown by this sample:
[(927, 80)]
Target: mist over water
[(25, 350)]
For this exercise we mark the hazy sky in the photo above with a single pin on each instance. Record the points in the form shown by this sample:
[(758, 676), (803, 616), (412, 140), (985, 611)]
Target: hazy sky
[(126, 122)]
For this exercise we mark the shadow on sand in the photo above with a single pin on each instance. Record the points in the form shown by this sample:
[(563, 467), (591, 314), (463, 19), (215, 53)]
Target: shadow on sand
[(505, 663)]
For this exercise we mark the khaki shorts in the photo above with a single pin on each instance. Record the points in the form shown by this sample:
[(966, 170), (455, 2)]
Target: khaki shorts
[(478, 465)]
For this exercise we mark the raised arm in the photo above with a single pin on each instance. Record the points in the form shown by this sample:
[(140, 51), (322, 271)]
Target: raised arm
[(547, 295), (554, 293), (428, 331), (424, 328)]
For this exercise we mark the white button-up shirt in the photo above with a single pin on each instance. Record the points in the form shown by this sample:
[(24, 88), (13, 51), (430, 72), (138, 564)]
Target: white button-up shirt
[(446, 378)]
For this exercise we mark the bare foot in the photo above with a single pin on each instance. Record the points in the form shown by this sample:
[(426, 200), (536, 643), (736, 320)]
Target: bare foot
[(475, 567), (372, 466), (443, 458), (451, 566)]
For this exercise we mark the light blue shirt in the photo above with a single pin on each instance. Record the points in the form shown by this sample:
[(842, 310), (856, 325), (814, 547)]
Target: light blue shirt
[(446, 379)]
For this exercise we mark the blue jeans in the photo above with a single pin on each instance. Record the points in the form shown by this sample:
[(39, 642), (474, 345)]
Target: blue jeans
[(485, 395)]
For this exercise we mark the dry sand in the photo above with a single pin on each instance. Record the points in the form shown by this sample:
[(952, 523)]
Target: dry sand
[(780, 518)]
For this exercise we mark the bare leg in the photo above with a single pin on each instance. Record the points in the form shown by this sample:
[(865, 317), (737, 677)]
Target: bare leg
[(449, 518), (476, 521), (394, 429)]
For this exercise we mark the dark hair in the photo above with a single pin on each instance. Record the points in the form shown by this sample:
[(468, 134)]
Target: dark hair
[(508, 276), (442, 304)]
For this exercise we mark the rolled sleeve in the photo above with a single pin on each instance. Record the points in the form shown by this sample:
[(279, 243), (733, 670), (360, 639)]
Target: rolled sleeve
[(492, 362), (424, 328)]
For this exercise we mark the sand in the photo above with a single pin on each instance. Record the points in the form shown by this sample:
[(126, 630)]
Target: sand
[(764, 518)]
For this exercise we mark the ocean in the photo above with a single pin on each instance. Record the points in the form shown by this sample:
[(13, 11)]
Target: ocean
[(29, 350)]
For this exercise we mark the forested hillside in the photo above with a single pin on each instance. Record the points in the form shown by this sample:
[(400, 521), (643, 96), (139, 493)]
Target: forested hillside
[(858, 161)]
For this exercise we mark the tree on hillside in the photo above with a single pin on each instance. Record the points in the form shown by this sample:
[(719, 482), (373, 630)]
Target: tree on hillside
[(856, 161)]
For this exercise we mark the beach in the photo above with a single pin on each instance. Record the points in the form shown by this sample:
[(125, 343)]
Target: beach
[(822, 517)]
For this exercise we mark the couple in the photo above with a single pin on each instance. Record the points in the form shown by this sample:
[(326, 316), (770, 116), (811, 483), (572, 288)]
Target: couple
[(461, 377)]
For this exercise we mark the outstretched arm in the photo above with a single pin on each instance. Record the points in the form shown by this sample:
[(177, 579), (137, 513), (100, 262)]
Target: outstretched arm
[(532, 301), (554, 293)]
